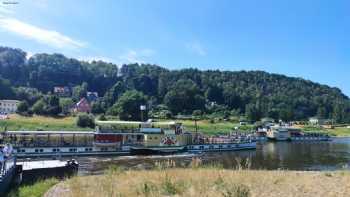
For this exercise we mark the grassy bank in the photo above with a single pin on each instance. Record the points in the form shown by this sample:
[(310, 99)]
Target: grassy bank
[(217, 127), (17, 122), (339, 131), (36, 190), (206, 182)]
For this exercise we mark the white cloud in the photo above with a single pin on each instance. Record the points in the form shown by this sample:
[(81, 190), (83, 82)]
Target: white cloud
[(5, 10), (196, 48), (136, 56), (41, 35)]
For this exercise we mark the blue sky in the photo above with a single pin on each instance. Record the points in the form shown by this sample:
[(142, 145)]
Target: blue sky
[(308, 39)]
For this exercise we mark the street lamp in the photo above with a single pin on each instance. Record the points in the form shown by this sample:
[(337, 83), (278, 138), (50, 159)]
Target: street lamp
[(142, 108)]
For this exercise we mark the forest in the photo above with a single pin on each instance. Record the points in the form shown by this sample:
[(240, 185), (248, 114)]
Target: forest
[(166, 93)]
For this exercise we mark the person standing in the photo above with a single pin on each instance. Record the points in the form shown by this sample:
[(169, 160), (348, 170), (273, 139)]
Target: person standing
[(2, 162)]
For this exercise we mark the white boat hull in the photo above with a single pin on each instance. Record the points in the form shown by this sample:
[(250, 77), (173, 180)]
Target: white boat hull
[(221, 147)]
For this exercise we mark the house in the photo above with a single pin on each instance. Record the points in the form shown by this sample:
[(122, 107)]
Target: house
[(319, 121), (8, 106), (82, 106), (91, 96), (63, 91)]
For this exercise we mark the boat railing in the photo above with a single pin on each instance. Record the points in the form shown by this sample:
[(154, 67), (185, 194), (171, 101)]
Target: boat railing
[(226, 141), (46, 144)]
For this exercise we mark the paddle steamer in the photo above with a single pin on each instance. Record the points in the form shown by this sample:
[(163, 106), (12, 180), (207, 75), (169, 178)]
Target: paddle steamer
[(119, 138)]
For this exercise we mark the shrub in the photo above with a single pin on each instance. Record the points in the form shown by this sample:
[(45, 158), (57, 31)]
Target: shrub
[(102, 118), (86, 120), (22, 107)]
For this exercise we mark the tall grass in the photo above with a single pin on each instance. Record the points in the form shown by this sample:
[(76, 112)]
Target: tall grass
[(210, 182), (38, 189)]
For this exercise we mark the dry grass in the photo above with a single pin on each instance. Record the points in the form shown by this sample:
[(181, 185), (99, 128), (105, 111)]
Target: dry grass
[(207, 182)]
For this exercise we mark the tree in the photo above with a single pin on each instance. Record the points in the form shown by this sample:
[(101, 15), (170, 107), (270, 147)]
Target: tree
[(22, 107), (339, 112), (253, 112), (30, 95), (128, 106), (6, 92), (185, 97), (39, 107), (85, 120), (12, 65), (98, 107), (231, 98), (113, 94), (53, 105), (214, 93), (47, 71), (80, 91), (183, 91), (66, 104)]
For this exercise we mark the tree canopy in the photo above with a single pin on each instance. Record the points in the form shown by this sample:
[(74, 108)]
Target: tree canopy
[(252, 93)]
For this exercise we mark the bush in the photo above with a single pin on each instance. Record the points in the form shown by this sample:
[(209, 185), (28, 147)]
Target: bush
[(197, 113), (86, 120), (22, 107), (102, 118)]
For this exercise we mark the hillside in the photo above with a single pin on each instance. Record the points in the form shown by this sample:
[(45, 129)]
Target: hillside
[(255, 94)]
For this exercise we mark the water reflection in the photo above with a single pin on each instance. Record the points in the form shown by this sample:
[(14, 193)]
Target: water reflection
[(333, 155)]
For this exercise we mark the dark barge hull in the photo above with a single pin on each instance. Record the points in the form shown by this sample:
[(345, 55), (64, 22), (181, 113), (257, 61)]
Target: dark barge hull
[(156, 151), (61, 172), (6, 181)]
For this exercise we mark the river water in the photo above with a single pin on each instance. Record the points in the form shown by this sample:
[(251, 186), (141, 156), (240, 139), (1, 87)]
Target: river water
[(320, 156)]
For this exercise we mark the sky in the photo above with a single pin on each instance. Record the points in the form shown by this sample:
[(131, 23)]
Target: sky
[(308, 39)]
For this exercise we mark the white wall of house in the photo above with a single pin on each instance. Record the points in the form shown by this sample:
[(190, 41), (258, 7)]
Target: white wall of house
[(8, 106)]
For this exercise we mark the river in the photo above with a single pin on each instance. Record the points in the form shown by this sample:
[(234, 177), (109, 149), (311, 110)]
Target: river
[(320, 156)]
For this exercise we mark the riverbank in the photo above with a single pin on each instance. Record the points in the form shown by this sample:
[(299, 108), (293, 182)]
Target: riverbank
[(35, 123), (206, 182), (210, 127)]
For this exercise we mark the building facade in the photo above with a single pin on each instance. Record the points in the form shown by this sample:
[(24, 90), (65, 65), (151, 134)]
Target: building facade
[(8, 106), (82, 106)]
